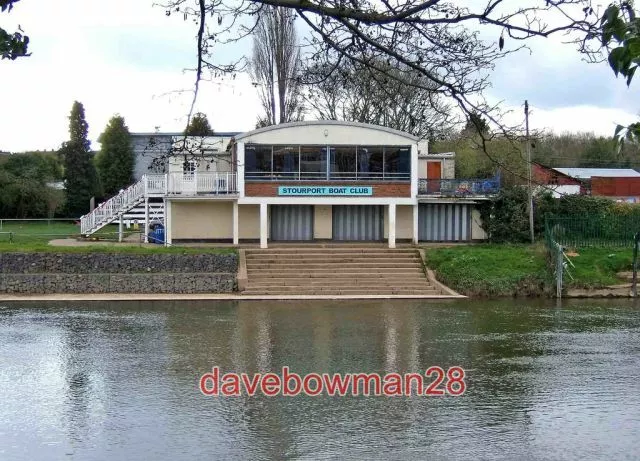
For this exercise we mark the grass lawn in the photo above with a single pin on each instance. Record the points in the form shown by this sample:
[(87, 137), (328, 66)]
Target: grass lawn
[(597, 267), (491, 270), (511, 270), (35, 236)]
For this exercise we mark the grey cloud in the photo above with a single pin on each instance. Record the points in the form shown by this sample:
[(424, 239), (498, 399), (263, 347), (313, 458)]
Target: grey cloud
[(556, 77)]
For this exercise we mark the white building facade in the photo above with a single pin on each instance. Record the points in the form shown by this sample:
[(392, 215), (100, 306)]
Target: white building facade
[(318, 181)]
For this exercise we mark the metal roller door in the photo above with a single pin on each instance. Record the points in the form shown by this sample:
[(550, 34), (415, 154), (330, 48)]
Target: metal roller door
[(444, 222), (291, 222), (358, 222)]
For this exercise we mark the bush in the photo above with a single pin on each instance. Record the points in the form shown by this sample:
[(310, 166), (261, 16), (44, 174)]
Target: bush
[(506, 219)]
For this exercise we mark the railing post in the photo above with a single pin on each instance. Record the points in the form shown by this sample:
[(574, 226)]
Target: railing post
[(559, 270), (634, 283)]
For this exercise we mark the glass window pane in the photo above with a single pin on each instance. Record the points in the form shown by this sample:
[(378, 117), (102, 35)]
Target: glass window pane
[(313, 162), (286, 161), (397, 162), (257, 161), (343, 162), (189, 167), (370, 161)]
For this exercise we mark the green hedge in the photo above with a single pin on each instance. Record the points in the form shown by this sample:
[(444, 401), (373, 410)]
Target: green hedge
[(505, 218)]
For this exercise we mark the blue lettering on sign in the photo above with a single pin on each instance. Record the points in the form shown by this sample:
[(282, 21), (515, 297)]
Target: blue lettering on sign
[(326, 190)]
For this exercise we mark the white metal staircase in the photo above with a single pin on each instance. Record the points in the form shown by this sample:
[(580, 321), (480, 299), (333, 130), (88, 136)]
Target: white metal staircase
[(127, 203), (109, 211)]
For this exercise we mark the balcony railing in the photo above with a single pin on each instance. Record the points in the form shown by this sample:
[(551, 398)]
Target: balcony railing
[(191, 184), (458, 187), (259, 176)]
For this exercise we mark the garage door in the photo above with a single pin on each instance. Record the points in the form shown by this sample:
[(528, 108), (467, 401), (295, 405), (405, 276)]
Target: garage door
[(358, 222), (291, 222), (444, 222)]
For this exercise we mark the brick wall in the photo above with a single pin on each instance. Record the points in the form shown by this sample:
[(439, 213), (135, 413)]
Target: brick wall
[(270, 189), (544, 175)]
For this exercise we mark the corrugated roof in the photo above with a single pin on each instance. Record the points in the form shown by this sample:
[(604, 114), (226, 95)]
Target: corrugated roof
[(588, 173)]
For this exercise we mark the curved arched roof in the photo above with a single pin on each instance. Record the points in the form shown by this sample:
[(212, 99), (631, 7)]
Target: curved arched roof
[(284, 126)]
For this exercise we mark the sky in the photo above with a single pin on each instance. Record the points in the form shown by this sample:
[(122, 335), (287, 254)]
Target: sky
[(127, 57)]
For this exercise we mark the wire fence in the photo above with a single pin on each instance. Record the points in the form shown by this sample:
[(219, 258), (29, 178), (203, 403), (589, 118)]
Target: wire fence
[(556, 260), (599, 231), (12, 222), (41, 231), (595, 231)]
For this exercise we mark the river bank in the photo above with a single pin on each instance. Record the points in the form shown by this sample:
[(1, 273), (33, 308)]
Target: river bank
[(108, 272), (477, 271), (501, 270)]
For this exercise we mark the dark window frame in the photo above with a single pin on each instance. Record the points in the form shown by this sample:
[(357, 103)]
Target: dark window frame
[(330, 174)]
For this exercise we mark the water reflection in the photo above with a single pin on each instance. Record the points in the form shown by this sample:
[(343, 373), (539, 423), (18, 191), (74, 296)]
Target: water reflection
[(119, 380)]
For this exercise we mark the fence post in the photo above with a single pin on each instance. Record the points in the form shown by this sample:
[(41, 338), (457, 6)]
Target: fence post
[(634, 283), (559, 269)]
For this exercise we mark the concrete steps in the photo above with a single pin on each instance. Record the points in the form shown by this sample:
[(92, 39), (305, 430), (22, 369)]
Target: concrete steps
[(337, 271)]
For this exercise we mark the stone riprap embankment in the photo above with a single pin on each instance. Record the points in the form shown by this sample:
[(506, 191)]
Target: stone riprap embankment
[(31, 273)]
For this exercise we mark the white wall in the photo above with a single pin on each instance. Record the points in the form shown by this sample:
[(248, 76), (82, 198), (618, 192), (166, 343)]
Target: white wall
[(206, 164), (327, 133), (209, 151), (558, 191)]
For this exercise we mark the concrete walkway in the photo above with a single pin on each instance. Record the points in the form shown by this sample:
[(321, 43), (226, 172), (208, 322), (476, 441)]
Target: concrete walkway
[(71, 242), (198, 296)]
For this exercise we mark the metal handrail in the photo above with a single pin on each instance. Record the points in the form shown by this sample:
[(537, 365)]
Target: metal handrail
[(458, 187), (107, 211), (160, 184), (322, 176)]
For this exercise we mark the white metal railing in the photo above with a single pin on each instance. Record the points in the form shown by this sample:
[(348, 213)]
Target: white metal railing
[(192, 184), (109, 210), (158, 184)]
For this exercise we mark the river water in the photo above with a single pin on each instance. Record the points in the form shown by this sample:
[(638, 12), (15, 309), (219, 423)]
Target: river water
[(120, 380)]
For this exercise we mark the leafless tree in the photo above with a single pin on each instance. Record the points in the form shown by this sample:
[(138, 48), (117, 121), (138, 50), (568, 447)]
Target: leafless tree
[(275, 65), (453, 45), (358, 93)]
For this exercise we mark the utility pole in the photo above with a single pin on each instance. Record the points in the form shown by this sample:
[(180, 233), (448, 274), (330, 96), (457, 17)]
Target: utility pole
[(528, 145)]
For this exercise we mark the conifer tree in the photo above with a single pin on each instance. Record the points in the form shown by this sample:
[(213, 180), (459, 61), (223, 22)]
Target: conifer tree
[(116, 161), (80, 178), (199, 126)]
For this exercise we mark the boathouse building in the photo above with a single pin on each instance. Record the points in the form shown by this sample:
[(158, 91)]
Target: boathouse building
[(305, 182)]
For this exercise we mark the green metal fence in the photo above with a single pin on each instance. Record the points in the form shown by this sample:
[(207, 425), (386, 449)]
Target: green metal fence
[(556, 258), (601, 231), (592, 231)]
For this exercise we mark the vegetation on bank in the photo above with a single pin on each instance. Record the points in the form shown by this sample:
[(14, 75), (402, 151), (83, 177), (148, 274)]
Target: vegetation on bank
[(43, 247), (35, 237), (491, 270), (522, 270)]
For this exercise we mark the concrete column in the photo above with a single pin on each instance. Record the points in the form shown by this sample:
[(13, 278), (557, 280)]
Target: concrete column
[(120, 223), (392, 225), (235, 223), (415, 224), (167, 223), (263, 225), (239, 168), (146, 219)]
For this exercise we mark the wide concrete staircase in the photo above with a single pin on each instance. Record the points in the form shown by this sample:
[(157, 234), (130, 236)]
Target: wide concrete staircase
[(337, 271)]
